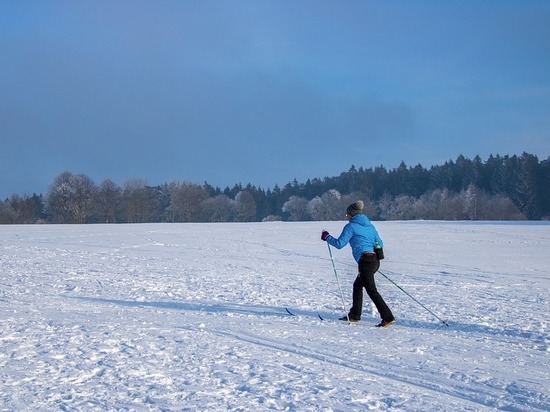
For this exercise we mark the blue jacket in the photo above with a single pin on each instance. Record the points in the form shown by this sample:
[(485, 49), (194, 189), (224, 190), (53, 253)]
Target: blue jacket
[(360, 234)]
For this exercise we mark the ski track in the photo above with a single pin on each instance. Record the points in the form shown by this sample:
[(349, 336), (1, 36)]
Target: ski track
[(192, 317), (371, 371)]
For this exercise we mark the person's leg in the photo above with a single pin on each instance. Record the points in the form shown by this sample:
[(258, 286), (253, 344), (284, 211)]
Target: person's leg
[(357, 306), (368, 267)]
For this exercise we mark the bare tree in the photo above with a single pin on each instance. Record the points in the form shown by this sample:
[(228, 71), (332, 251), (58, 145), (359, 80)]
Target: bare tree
[(137, 201), (26, 209), (500, 207), (471, 196), (482, 206), (69, 198), (7, 214), (185, 202), (58, 199), (245, 206), (107, 201)]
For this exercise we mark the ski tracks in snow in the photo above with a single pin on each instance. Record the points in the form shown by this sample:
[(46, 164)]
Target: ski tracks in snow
[(437, 384)]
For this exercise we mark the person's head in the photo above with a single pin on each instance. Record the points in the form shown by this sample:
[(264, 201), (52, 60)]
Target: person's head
[(354, 209)]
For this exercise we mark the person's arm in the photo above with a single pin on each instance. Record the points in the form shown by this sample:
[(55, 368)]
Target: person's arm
[(343, 239)]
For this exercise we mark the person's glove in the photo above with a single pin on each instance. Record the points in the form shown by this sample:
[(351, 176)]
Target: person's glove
[(324, 235)]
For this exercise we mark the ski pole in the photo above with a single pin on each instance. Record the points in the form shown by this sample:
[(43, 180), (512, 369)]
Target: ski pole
[(409, 295), (338, 281)]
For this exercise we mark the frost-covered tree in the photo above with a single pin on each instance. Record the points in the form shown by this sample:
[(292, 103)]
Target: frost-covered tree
[(402, 207), (315, 208), (384, 206), (297, 208), (370, 209), (327, 207), (218, 209)]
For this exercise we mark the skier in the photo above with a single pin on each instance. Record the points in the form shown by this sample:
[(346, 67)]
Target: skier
[(362, 236)]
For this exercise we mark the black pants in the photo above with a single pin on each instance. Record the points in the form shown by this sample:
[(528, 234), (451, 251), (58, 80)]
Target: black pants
[(368, 265)]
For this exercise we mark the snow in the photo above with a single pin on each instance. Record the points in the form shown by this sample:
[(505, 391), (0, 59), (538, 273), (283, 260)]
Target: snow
[(191, 317)]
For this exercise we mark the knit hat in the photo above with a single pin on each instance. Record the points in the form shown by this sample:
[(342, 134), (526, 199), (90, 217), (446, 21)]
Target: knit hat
[(355, 208)]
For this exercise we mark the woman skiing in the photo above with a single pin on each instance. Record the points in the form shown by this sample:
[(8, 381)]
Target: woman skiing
[(362, 236)]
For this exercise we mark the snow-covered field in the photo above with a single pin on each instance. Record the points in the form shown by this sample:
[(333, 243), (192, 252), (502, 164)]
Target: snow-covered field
[(191, 317)]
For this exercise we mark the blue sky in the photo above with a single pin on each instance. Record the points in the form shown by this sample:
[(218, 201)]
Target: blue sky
[(265, 92)]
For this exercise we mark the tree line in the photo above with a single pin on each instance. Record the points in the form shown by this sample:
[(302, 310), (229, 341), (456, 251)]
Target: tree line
[(500, 188)]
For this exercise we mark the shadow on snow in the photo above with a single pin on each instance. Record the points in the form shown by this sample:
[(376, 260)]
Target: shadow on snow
[(281, 312)]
